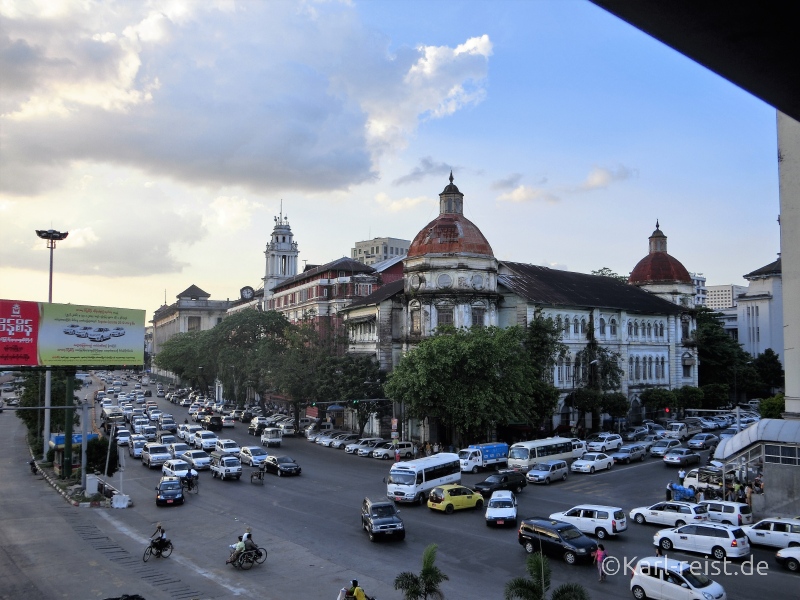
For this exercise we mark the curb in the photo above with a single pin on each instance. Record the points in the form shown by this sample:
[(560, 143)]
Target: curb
[(105, 503)]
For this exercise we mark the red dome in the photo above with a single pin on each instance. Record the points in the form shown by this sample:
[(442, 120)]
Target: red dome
[(450, 233), (659, 267)]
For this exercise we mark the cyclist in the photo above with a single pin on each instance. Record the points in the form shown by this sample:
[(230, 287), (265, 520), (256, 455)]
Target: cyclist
[(189, 478), (159, 538)]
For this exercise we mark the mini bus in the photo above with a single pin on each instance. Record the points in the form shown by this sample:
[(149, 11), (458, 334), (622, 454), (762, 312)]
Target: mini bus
[(523, 455), (412, 480)]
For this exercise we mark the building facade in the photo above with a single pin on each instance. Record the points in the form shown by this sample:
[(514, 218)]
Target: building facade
[(760, 311), (720, 297), (700, 291), (377, 250)]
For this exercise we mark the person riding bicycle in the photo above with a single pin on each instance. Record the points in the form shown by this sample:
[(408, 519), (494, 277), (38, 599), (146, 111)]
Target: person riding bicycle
[(355, 591), (159, 538), (190, 478)]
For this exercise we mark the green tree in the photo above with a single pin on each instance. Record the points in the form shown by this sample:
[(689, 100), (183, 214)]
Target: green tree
[(96, 455), (721, 358), (716, 396), (358, 382), (772, 408), (657, 399), (182, 355), (544, 345), (33, 395), (426, 585), (770, 371), (537, 584), (615, 404), (472, 381), (606, 272), (688, 397)]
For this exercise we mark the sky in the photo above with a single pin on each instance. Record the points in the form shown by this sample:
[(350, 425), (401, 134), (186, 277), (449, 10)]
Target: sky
[(165, 136)]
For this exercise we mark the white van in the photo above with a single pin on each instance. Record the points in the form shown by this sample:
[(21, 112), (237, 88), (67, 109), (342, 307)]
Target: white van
[(729, 513), (595, 519)]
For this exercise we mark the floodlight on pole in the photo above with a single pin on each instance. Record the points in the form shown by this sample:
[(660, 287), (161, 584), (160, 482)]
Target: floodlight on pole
[(52, 236)]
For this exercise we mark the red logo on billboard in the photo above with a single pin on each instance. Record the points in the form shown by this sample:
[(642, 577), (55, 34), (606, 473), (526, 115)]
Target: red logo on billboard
[(19, 330)]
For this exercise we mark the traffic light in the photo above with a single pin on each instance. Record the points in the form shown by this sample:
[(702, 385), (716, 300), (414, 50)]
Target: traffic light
[(666, 410), (313, 404), (355, 402)]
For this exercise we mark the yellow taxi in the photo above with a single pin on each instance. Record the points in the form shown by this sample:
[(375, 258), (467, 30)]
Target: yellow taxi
[(452, 497)]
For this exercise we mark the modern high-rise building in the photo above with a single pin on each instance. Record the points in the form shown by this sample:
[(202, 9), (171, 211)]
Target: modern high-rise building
[(699, 283), (379, 249), (720, 297)]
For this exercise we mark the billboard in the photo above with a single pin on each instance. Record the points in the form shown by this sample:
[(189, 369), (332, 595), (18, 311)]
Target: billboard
[(38, 333)]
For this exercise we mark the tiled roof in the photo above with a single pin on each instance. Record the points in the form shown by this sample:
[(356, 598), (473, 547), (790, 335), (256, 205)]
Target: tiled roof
[(659, 267), (340, 264), (378, 296), (193, 292), (543, 285), (773, 268)]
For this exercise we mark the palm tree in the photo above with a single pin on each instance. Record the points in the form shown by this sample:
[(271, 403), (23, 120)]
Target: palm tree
[(536, 587), (425, 585)]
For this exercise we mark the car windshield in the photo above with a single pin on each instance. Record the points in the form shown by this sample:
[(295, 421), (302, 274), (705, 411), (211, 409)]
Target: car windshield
[(660, 444), (257, 452), (501, 504), (170, 485), (540, 467), (402, 478), (695, 579), (570, 533), (589, 457), (493, 479), (518, 453), (383, 511), (284, 460)]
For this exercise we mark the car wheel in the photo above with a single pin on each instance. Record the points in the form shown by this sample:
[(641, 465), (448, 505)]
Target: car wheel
[(280, 473), (608, 468), (371, 536), (638, 593), (639, 518), (792, 564), (479, 504), (666, 544), (564, 477), (641, 458), (601, 533), (529, 548), (727, 523), (591, 470), (547, 481), (793, 545), (474, 469), (385, 457), (718, 552), (570, 558), (680, 523), (603, 449), (448, 509), (408, 454), (518, 489)]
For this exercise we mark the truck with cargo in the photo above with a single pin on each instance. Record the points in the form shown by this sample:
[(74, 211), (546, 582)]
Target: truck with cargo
[(682, 431), (481, 456)]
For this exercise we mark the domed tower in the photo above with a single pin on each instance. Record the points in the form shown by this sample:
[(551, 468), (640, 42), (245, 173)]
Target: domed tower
[(281, 255), (450, 272), (662, 274)]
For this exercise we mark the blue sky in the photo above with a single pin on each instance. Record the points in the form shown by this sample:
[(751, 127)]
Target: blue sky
[(164, 135)]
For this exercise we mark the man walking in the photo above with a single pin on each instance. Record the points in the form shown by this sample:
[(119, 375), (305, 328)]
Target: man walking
[(681, 476)]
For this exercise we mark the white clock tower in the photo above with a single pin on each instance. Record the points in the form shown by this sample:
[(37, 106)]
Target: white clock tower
[(281, 255)]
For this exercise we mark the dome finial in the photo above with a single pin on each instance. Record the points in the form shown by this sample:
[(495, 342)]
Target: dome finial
[(451, 175), (656, 223)]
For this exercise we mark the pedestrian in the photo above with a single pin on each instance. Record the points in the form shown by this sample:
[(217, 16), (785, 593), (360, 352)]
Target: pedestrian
[(658, 550), (415, 449), (436, 448), (681, 476), (748, 493), (700, 496), (396, 454), (599, 556), (669, 491), (427, 448)]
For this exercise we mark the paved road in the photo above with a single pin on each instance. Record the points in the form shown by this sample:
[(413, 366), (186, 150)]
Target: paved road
[(310, 526)]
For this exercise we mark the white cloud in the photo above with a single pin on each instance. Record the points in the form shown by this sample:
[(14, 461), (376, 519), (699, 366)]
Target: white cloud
[(525, 193), (401, 204), (82, 237), (230, 213), (600, 178)]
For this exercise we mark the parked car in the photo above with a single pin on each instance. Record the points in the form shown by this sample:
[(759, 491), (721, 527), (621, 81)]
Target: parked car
[(281, 465), (681, 457), (405, 449), (547, 471), (339, 442), (354, 447), (672, 513), (629, 453), (661, 447), (634, 434), (380, 518), (661, 578), (452, 497), (595, 519), (501, 509), (778, 532), (555, 538), (701, 441), (505, 479), (729, 513), (369, 448), (199, 459), (715, 539), (591, 462), (253, 455), (601, 442)]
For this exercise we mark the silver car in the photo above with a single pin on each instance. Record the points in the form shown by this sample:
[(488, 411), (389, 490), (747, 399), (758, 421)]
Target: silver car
[(629, 453)]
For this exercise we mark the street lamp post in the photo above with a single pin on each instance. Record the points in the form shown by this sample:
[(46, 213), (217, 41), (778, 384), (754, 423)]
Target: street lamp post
[(52, 237)]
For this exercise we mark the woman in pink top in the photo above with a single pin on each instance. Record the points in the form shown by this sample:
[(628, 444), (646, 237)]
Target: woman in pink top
[(599, 556)]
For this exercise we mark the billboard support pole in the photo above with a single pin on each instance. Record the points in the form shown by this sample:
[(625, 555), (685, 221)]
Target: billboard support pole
[(48, 386), (84, 435), (70, 375)]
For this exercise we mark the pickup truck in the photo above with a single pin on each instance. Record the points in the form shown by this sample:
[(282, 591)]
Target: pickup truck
[(682, 431)]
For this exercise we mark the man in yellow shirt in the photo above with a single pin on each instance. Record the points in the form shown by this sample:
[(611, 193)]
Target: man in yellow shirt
[(355, 591)]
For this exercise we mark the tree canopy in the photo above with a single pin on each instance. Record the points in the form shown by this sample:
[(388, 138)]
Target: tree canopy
[(606, 272)]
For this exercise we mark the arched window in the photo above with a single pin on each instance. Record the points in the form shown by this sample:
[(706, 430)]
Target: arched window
[(644, 364), (663, 369), (636, 328), (650, 367), (583, 325), (649, 330), (560, 370), (613, 326), (575, 325), (630, 328), (566, 326), (568, 370), (559, 325), (630, 370), (638, 369), (661, 330), (602, 326)]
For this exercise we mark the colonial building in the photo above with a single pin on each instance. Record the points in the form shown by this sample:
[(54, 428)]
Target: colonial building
[(451, 277), (760, 311)]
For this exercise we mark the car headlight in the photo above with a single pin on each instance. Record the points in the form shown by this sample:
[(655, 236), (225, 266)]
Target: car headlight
[(581, 550), (708, 596)]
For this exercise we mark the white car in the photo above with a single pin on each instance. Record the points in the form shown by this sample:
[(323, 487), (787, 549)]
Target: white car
[(135, 446), (100, 334), (715, 539), (341, 441), (123, 437), (660, 578), (777, 532), (177, 448), (591, 462), (369, 448), (229, 446), (789, 558), (175, 468), (227, 421), (661, 447), (602, 442), (186, 432), (595, 519), (502, 509), (199, 459), (354, 447), (672, 513), (253, 455), (204, 440)]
